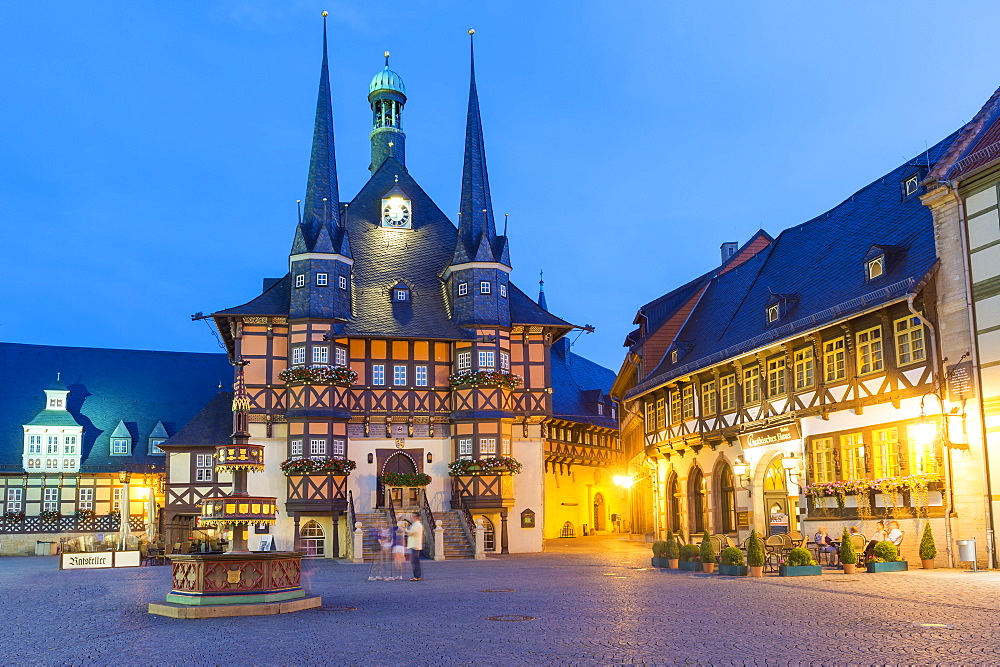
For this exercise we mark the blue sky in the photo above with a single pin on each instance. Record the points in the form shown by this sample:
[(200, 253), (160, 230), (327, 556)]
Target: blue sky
[(152, 153)]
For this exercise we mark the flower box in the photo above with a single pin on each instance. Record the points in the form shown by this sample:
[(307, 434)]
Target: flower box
[(337, 375), (689, 565), (317, 466), (405, 479), (733, 570), (660, 562), (467, 379), (494, 465), (898, 566), (799, 570)]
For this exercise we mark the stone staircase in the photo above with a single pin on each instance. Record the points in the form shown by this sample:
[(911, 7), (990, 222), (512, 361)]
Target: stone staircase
[(456, 545)]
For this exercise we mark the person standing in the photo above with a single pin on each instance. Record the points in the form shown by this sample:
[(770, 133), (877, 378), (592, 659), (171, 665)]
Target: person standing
[(415, 542)]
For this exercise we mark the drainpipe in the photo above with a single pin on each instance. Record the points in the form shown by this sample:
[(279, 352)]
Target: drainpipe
[(974, 358), (949, 493)]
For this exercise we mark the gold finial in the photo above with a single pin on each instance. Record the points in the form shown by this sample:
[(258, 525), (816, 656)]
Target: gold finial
[(471, 31), (391, 144), (325, 14), (386, 54), (298, 201)]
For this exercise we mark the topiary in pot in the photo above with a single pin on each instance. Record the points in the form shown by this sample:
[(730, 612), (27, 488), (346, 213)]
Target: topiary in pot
[(732, 556), (848, 556), (690, 552), (885, 552), (798, 557), (672, 551), (755, 555), (928, 550), (659, 549), (707, 552)]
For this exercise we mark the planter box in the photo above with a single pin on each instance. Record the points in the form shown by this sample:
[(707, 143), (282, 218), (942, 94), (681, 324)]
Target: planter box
[(733, 570), (799, 570), (898, 566), (660, 562), (689, 565)]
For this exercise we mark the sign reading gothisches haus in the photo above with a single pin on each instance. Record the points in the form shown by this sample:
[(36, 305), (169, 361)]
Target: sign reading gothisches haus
[(770, 436)]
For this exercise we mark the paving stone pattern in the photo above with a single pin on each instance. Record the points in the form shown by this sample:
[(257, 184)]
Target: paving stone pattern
[(594, 601)]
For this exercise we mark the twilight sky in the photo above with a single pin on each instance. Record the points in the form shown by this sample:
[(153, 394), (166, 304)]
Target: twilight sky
[(152, 152)]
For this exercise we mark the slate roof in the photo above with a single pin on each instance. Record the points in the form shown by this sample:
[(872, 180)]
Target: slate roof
[(821, 264), (137, 387), (976, 144), (577, 385), (213, 425)]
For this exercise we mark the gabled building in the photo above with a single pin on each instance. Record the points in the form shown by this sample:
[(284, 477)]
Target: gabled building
[(398, 341), (72, 419), (792, 386)]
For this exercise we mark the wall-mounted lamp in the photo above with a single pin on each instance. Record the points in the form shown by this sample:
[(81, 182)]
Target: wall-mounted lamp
[(791, 462), (623, 481), (430, 457), (124, 476), (371, 458)]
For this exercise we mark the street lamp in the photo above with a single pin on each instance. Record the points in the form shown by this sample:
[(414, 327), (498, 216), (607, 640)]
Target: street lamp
[(742, 471), (124, 509)]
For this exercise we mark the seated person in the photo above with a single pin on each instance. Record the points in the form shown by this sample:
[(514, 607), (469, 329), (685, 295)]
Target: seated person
[(824, 543), (879, 536), (895, 534)]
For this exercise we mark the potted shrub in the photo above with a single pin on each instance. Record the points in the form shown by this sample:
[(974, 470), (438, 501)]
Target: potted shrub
[(928, 551), (755, 555), (732, 563), (406, 479), (49, 516), (672, 551), (707, 553), (885, 558), (799, 563), (848, 556), (659, 558), (690, 558)]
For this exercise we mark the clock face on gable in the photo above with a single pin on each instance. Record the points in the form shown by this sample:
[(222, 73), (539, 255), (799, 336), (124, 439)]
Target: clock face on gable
[(396, 213)]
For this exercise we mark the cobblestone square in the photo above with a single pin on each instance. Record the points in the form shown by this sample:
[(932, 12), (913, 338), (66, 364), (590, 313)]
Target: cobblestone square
[(584, 601)]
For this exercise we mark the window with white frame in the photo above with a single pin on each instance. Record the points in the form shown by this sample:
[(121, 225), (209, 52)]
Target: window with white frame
[(401, 295), (300, 280), (321, 354), (875, 267), (465, 448), (464, 361), (85, 499), (487, 446), (295, 449), (340, 356), (909, 340), (505, 362), (68, 464), (484, 287), (834, 360), (116, 499), (687, 402), (203, 467), (869, 350), (505, 447), (52, 444), (55, 402), (50, 500), (600, 409), (661, 413), (650, 416), (486, 359), (751, 385), (463, 289), (34, 444), (119, 445), (378, 373), (709, 398), (298, 356), (342, 281), (15, 498), (154, 445), (317, 447), (675, 406), (69, 444), (338, 449), (773, 312), (776, 383), (399, 375), (321, 279), (503, 290), (804, 367), (420, 375)]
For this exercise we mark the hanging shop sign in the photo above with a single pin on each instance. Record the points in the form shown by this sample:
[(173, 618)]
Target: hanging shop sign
[(770, 436)]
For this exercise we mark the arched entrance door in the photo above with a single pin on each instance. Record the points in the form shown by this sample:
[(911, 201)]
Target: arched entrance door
[(489, 535), (398, 462), (776, 499), (674, 504), (312, 538), (726, 485), (696, 501), (600, 522)]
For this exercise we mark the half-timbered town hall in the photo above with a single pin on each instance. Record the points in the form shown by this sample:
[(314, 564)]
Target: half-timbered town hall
[(398, 343)]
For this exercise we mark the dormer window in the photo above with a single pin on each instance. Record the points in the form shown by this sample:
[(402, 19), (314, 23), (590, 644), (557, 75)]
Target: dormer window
[(674, 355), (911, 185), (778, 306), (773, 313), (402, 295), (400, 292), (119, 445), (875, 267)]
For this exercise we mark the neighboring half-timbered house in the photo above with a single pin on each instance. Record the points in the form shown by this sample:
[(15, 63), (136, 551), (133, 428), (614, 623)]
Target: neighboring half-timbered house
[(792, 385), (398, 342)]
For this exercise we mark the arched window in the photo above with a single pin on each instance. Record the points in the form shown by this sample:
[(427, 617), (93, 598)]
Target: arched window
[(490, 536), (726, 485), (599, 514), (312, 538), (697, 522), (673, 503), (774, 478), (567, 530)]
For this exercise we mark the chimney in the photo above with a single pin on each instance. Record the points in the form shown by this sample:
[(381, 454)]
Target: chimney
[(729, 249)]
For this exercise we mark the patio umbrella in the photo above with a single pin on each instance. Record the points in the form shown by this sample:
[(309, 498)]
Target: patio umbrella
[(151, 512)]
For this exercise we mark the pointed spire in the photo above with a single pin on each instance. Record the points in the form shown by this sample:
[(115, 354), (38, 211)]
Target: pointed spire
[(476, 222), (322, 196), (541, 291)]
